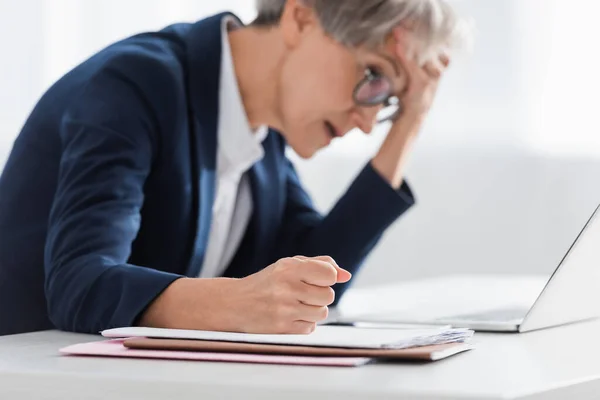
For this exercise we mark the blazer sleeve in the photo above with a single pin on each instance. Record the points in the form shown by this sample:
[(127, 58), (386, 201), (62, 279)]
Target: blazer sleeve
[(351, 229), (107, 154)]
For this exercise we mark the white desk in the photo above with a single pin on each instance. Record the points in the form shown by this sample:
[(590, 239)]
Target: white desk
[(538, 365)]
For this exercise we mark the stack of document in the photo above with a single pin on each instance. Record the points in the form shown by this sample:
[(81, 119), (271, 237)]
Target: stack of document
[(323, 336), (328, 345)]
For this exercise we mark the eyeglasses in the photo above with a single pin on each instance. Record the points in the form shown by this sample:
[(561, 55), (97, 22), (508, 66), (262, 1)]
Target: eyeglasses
[(376, 89)]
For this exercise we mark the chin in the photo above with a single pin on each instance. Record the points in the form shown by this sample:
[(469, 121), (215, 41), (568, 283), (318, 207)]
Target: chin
[(305, 146), (304, 152)]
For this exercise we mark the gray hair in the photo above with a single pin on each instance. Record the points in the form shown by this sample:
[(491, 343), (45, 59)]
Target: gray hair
[(435, 25)]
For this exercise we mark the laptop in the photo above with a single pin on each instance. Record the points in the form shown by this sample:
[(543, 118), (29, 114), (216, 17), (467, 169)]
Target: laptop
[(571, 294)]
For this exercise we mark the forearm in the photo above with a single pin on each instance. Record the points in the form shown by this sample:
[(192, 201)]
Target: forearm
[(352, 228), (391, 159), (193, 304)]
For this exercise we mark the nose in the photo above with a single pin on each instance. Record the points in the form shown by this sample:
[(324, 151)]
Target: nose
[(364, 117)]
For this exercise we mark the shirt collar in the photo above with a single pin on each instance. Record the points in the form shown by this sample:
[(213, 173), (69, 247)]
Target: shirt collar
[(239, 145)]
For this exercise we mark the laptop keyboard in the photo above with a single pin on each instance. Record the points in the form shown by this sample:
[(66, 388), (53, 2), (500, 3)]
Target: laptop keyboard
[(505, 314)]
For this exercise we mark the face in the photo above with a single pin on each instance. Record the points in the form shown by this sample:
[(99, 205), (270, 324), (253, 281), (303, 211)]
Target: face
[(317, 82)]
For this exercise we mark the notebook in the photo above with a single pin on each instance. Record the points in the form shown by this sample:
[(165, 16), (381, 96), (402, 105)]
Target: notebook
[(115, 348), (323, 336), (424, 353)]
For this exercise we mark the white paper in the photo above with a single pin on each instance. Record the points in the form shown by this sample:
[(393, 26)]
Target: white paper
[(323, 336)]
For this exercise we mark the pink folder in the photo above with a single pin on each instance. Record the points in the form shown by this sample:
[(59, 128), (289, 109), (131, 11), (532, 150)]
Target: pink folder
[(115, 348)]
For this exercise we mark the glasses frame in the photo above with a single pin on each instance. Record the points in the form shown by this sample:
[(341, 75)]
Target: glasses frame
[(387, 102)]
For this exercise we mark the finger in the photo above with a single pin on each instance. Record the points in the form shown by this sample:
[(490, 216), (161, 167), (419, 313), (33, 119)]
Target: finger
[(403, 39), (415, 75), (432, 70), (342, 274), (317, 296), (444, 60), (311, 313), (407, 59), (316, 272), (302, 327)]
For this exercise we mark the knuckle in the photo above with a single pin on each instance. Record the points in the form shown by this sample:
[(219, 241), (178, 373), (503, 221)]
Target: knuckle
[(331, 275), (286, 262), (328, 259), (285, 265)]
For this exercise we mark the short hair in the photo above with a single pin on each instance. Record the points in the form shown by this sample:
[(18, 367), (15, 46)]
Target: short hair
[(368, 23)]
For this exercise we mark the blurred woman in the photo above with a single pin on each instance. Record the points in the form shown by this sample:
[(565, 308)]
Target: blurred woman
[(150, 185)]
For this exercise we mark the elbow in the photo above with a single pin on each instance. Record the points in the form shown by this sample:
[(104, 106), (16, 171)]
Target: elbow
[(62, 300), (58, 308)]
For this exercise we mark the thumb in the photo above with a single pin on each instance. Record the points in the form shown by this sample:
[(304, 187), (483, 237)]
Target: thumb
[(343, 276)]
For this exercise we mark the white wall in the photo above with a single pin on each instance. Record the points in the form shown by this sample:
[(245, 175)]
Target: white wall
[(506, 169), (21, 52), (40, 40)]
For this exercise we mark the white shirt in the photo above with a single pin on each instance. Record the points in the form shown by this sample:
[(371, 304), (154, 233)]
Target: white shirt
[(238, 148)]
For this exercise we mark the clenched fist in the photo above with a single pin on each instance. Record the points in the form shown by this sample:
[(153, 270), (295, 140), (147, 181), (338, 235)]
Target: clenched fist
[(289, 296)]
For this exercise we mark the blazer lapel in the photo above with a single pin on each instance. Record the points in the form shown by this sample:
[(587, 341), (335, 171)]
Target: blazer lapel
[(204, 65), (204, 55), (257, 249)]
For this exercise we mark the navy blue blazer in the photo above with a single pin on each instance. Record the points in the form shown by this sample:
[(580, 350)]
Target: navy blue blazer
[(106, 197)]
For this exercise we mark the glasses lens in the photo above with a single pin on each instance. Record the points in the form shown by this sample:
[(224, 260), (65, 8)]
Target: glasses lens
[(390, 111), (373, 91)]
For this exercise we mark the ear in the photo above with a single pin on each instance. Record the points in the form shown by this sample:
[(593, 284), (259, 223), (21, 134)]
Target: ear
[(297, 20)]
